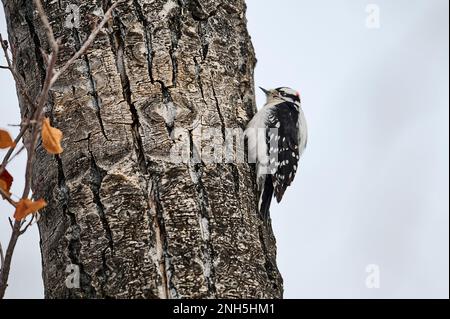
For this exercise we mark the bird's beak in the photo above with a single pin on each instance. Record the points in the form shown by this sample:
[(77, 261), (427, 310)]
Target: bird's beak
[(265, 91)]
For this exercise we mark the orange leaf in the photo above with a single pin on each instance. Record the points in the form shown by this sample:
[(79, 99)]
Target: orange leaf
[(5, 140), (26, 207), (51, 138), (6, 181)]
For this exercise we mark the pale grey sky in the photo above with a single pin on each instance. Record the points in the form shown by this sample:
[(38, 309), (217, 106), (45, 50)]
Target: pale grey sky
[(374, 181)]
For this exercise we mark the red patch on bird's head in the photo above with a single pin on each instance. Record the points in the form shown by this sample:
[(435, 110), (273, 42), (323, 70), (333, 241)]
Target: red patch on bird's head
[(297, 94)]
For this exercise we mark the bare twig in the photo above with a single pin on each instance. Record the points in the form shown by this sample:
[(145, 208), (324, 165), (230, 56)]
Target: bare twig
[(21, 149), (2, 257), (27, 226), (4, 67), (19, 81), (7, 197), (4, 273), (28, 122), (36, 128), (11, 149)]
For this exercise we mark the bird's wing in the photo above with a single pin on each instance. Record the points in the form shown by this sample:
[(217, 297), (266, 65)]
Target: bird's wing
[(285, 146)]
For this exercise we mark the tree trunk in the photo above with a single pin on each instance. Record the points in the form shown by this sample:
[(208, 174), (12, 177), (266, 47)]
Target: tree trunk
[(135, 223)]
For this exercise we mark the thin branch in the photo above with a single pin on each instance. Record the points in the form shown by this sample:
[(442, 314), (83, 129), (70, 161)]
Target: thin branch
[(11, 149), (21, 149), (27, 226), (7, 197), (2, 257), (38, 114), (4, 274), (4, 67), (19, 81)]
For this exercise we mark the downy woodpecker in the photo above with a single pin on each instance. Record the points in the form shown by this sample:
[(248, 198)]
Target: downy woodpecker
[(277, 136)]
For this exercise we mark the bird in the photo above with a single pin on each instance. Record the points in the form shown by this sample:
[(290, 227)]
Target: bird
[(277, 137)]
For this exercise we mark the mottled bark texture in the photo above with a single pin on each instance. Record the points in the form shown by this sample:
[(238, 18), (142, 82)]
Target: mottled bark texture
[(137, 225)]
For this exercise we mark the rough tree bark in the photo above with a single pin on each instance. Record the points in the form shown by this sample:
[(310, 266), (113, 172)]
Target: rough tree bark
[(137, 225)]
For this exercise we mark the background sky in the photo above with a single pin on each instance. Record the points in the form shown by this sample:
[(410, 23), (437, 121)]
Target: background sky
[(374, 181)]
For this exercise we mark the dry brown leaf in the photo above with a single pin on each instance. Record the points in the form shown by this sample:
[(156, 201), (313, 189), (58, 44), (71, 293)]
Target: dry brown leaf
[(6, 181), (51, 138), (26, 207), (5, 140)]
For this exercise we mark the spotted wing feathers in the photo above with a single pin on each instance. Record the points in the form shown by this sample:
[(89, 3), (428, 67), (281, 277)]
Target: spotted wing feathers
[(284, 153)]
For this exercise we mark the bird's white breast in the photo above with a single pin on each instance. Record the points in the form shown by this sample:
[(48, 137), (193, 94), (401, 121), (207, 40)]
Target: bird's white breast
[(256, 135)]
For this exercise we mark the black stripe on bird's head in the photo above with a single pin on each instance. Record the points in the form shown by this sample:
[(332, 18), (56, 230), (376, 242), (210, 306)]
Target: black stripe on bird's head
[(288, 94), (283, 93)]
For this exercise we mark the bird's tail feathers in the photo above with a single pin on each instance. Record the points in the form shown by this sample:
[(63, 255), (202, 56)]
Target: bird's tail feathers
[(266, 199)]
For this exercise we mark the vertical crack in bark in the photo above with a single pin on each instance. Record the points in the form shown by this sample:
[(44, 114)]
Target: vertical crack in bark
[(94, 93), (97, 177), (196, 172), (36, 41), (201, 30), (126, 90), (158, 259), (219, 111), (235, 171), (198, 78), (148, 38), (164, 263), (73, 234), (199, 15), (175, 30)]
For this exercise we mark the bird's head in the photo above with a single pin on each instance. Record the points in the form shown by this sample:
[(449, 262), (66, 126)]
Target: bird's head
[(283, 93)]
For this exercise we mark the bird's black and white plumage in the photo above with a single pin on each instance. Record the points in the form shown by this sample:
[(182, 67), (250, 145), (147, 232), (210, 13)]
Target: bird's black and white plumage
[(277, 137)]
